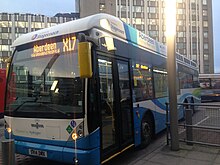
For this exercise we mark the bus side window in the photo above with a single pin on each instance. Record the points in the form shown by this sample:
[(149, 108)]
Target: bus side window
[(143, 86)]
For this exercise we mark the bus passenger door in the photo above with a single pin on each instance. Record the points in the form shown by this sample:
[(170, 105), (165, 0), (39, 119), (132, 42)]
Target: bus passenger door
[(125, 102), (116, 106)]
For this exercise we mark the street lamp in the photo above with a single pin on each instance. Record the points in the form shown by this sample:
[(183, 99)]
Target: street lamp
[(171, 69)]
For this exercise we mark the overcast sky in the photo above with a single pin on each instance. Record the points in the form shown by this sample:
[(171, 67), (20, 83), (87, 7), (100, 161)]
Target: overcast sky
[(216, 33), (45, 7), (51, 7)]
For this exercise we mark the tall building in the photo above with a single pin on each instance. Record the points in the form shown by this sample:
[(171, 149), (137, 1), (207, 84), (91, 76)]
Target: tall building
[(194, 31), (14, 25)]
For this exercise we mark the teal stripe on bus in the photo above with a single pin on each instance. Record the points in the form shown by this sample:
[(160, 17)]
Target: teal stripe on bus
[(131, 33)]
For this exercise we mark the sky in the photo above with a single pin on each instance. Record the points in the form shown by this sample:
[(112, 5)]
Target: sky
[(45, 7), (51, 7), (216, 34)]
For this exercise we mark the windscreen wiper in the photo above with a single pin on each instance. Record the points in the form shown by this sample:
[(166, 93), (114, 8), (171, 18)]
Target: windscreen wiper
[(57, 110), (24, 102)]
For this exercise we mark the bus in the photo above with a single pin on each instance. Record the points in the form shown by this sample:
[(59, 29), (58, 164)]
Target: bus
[(210, 87), (2, 91), (90, 89)]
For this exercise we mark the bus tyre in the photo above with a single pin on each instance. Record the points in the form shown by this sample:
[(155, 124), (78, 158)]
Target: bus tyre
[(146, 131)]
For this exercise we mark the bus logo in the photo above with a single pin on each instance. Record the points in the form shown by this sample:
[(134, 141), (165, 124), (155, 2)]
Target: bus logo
[(34, 37), (37, 125), (44, 35)]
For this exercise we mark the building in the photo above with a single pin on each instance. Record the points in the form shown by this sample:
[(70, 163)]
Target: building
[(14, 25), (194, 36)]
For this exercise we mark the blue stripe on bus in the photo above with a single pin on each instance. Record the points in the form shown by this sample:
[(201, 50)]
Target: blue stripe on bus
[(159, 103), (89, 142), (86, 148), (61, 154)]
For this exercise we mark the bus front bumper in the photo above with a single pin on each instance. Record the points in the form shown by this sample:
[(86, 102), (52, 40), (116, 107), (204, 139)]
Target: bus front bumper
[(57, 153)]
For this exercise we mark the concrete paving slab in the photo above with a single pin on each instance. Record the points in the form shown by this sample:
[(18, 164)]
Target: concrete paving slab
[(181, 153), (208, 149), (202, 156), (194, 162), (166, 159), (217, 159)]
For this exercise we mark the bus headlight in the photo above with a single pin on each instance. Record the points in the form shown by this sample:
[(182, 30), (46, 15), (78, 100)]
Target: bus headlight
[(7, 128), (74, 136), (78, 132)]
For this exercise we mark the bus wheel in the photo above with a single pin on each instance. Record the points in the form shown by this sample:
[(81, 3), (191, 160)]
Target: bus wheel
[(146, 131)]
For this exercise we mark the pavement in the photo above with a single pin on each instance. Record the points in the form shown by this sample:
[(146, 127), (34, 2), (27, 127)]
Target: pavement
[(187, 155), (159, 154)]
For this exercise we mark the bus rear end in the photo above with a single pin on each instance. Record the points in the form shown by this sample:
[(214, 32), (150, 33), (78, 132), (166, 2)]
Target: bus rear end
[(2, 90), (47, 117)]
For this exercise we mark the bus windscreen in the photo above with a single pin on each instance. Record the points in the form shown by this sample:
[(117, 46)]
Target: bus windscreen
[(47, 83)]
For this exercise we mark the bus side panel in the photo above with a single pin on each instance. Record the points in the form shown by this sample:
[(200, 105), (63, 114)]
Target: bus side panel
[(160, 114), (138, 115), (157, 108)]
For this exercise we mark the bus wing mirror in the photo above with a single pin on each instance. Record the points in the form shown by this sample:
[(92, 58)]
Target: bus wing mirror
[(84, 58)]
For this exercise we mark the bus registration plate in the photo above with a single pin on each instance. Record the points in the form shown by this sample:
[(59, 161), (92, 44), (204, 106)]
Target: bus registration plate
[(37, 153)]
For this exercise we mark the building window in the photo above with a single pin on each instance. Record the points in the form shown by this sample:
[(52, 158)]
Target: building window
[(205, 23), (204, 12), (193, 34), (194, 57), (5, 35), (205, 34), (153, 34), (180, 34), (193, 23), (21, 24), (137, 9), (123, 8), (38, 25), (180, 45), (206, 46), (138, 21), (206, 57), (152, 10), (194, 45), (153, 22), (180, 22), (4, 48), (180, 11), (204, 2), (102, 6), (4, 24)]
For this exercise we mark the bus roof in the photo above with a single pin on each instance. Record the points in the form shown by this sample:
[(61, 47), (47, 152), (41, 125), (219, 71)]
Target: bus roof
[(101, 21)]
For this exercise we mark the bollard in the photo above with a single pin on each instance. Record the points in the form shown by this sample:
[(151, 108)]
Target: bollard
[(8, 152), (189, 131)]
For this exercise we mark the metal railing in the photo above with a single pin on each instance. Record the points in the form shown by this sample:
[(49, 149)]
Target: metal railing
[(198, 123)]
